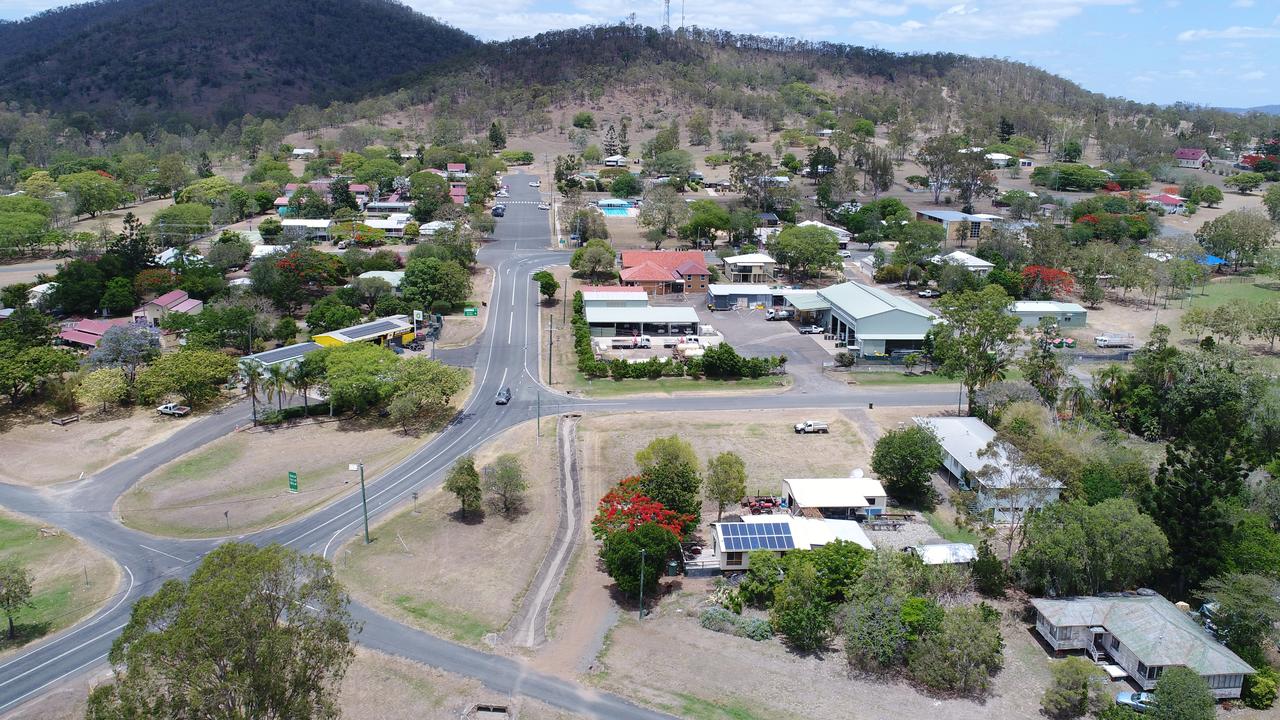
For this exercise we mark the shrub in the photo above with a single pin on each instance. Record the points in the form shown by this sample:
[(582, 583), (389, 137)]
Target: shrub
[(889, 274), (962, 656), (1078, 688), (441, 307), (721, 620), (1260, 689)]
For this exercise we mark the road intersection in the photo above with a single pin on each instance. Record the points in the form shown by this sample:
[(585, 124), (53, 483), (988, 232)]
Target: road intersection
[(505, 355)]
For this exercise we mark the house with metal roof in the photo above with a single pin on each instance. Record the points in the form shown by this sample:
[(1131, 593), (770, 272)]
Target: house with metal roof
[(869, 320), (1192, 157), (288, 356), (752, 268), (623, 321), (622, 297), (727, 296), (972, 263), (951, 220), (733, 540), (378, 331), (979, 463), (835, 498), (944, 553), (390, 277), (174, 301), (1063, 314), (1144, 634)]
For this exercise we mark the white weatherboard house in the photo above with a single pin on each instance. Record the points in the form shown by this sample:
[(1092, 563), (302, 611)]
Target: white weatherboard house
[(1063, 314), (1002, 488), (1143, 633), (630, 297), (752, 268), (972, 263), (869, 319)]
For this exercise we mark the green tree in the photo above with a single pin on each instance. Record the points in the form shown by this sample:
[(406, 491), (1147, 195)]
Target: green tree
[(432, 280), (119, 298), (1210, 195), (643, 551), (663, 209), (806, 250), (497, 136), (15, 590), (104, 385), (370, 289), (91, 193), (1271, 200), (192, 374), (593, 259), (266, 630), (1241, 235), (1245, 182), (464, 482), (978, 338), (285, 331), (79, 288), (1042, 368), (431, 381), (584, 120), (906, 459), (799, 612), (1200, 469), (505, 483), (330, 314), (1079, 688), (356, 375), (699, 128), (726, 480), (127, 348), (962, 656), (875, 635), (626, 185), (1181, 694), (548, 286), (24, 368), (939, 156), (1069, 548), (1247, 613), (669, 475), (706, 219)]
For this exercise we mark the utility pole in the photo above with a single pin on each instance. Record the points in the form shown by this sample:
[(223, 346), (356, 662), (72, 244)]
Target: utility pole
[(539, 414), (551, 334), (364, 501), (641, 615)]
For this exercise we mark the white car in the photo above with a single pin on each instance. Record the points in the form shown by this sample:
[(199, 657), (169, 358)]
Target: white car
[(544, 206), (503, 193), (845, 254), (535, 183)]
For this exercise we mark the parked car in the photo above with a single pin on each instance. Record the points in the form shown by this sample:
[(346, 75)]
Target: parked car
[(845, 254), (173, 409), (811, 329), (929, 293), (1136, 701), (811, 426), (535, 183), (544, 206), (777, 314), (499, 210), (504, 396)]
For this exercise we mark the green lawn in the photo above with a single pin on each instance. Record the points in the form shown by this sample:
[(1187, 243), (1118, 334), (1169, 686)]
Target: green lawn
[(1252, 289), (461, 627), (669, 386), (69, 582), (700, 709), (949, 531), (897, 377)]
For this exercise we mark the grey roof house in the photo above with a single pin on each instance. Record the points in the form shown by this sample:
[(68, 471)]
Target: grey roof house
[(870, 320), (1143, 633)]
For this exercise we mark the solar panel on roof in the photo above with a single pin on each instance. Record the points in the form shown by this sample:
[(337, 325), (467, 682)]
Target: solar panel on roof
[(370, 328)]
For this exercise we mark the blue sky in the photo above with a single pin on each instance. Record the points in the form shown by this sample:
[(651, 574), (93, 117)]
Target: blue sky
[(1215, 52)]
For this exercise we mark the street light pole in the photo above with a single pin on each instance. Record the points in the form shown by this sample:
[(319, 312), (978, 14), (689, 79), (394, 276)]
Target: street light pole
[(641, 615), (364, 500), (551, 334)]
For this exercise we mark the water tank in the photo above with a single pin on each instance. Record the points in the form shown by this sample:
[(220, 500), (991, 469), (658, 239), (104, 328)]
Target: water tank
[(857, 472)]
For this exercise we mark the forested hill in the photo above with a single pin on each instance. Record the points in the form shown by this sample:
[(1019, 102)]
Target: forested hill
[(212, 61)]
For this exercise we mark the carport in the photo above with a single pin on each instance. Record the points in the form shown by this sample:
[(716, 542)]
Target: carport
[(625, 321), (810, 307)]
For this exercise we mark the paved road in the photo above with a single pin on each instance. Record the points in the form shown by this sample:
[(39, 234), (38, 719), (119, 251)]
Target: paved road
[(505, 356)]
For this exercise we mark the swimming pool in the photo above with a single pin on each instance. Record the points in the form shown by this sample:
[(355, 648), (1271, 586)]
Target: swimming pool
[(614, 211)]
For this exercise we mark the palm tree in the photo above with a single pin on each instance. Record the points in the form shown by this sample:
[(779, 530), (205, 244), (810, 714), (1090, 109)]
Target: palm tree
[(251, 370), (277, 380), (302, 376)]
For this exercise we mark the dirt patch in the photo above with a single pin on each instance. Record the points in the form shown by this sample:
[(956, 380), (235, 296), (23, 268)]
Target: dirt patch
[(382, 686), (114, 221), (468, 576), (460, 330), (84, 447), (245, 476), (671, 662), (71, 579)]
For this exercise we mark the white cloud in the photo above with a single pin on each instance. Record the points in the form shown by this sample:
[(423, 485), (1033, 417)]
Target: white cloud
[(1252, 75), (947, 20), (1235, 32)]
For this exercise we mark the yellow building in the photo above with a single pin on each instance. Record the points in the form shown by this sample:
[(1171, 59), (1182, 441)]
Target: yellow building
[(378, 331)]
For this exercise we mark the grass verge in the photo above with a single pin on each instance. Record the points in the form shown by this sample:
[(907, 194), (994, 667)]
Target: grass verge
[(949, 531), (700, 709), (670, 386), (460, 626)]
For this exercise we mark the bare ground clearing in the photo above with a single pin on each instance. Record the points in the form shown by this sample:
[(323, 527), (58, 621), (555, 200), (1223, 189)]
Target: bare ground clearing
[(461, 578), (245, 475), (30, 441), (460, 330)]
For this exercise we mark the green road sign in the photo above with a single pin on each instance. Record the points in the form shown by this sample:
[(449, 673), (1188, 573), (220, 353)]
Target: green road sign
[(293, 481), (470, 312)]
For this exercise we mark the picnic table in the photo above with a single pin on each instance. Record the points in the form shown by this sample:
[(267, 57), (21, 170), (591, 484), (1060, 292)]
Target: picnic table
[(886, 524)]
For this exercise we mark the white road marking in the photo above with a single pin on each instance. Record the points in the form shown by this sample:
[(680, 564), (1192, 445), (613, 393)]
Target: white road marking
[(511, 325), (69, 673), (175, 557), (82, 626)]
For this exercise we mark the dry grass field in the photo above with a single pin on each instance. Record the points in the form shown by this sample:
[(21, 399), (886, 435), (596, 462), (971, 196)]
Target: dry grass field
[(461, 578)]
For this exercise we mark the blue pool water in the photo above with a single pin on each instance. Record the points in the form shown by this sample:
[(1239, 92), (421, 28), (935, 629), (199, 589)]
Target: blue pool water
[(614, 211)]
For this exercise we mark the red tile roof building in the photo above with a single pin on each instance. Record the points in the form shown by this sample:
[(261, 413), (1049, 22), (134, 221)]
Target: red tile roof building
[(663, 272)]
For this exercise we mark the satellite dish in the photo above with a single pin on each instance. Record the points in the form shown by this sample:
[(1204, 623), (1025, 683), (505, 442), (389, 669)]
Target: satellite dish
[(857, 472)]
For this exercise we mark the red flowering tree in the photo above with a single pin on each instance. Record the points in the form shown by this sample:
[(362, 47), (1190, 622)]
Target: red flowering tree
[(1112, 186), (1040, 280), (624, 508)]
